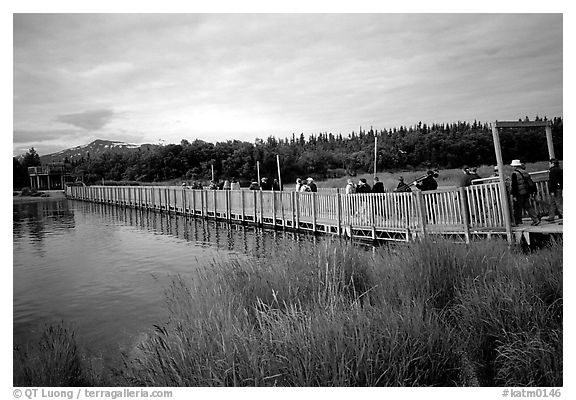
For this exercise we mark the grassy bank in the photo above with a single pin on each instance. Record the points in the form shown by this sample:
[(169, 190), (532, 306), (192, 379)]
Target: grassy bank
[(447, 177), (424, 314)]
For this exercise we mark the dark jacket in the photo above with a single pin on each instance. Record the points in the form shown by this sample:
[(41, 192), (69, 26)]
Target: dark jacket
[(519, 184), (313, 187), (378, 187), (429, 183), (363, 188), (555, 179)]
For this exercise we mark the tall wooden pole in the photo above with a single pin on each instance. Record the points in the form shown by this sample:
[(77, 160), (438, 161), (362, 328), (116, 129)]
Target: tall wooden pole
[(212, 172), (258, 172), (279, 177), (550, 143), (375, 153), (503, 194)]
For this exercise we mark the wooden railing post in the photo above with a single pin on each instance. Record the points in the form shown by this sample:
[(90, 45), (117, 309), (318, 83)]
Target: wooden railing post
[(228, 205), (293, 204), (339, 212), (297, 210), (204, 201), (421, 212), (502, 184), (242, 202), (314, 212), (273, 208), (464, 213), (215, 208), (255, 209), (261, 208)]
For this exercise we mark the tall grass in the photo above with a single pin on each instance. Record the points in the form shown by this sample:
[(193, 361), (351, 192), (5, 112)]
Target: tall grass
[(54, 361), (429, 313)]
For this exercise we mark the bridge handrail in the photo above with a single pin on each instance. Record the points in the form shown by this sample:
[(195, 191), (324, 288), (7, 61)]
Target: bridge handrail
[(477, 207)]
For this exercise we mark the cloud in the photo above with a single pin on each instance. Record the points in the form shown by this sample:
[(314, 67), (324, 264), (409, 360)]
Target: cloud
[(91, 120), (27, 136)]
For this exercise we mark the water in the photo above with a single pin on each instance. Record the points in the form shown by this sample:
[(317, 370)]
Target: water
[(103, 269)]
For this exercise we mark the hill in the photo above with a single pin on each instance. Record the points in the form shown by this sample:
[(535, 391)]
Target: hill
[(92, 150)]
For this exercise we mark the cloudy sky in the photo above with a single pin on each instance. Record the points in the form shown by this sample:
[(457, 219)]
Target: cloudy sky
[(146, 78)]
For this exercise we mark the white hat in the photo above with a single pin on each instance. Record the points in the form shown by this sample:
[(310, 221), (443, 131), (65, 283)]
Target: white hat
[(516, 163), (309, 179)]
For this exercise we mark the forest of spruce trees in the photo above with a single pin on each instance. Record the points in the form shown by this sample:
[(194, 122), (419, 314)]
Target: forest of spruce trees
[(322, 155)]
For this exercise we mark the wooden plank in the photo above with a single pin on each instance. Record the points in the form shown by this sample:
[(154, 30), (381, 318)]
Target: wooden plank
[(504, 201), (522, 124)]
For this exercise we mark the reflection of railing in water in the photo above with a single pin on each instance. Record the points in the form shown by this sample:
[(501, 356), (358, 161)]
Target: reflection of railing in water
[(475, 210), (246, 239)]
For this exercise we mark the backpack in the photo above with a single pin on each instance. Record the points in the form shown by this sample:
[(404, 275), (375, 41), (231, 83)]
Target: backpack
[(530, 185)]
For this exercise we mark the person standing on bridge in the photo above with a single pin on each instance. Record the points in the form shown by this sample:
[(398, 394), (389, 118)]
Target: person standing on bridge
[(312, 185), (363, 186), (474, 174), (555, 190), (235, 184), (521, 192), (350, 187), (465, 179), (298, 184), (429, 183), (378, 186)]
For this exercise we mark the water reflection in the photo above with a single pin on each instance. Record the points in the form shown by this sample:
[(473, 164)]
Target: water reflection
[(104, 268), (245, 239), (37, 220)]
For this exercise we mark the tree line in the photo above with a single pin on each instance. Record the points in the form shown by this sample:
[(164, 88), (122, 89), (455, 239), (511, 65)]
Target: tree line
[(320, 155)]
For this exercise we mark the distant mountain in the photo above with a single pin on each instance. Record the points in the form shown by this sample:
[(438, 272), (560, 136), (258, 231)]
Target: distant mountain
[(93, 150)]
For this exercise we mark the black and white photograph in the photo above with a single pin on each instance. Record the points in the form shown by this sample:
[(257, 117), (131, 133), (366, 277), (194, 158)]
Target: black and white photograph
[(311, 200)]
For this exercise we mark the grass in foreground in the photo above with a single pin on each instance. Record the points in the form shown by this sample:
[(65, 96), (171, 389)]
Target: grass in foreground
[(424, 314)]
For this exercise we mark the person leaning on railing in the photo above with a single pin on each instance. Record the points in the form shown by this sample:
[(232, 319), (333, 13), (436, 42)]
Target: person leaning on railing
[(402, 186), (555, 190), (428, 183)]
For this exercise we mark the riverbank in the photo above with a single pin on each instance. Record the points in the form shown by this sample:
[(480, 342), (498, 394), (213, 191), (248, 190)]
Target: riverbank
[(421, 314), (47, 195)]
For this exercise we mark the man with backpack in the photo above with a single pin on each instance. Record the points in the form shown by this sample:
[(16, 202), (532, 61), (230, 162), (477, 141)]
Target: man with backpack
[(522, 187)]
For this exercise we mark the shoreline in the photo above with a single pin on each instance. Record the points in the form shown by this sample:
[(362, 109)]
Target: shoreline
[(52, 195)]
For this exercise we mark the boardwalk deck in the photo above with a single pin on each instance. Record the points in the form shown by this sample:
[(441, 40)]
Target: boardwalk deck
[(462, 213)]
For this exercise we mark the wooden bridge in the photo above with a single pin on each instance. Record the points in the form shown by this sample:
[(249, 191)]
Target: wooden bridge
[(460, 213)]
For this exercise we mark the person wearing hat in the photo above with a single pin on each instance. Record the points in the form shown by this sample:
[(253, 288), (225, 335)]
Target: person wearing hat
[(555, 190), (520, 190), (350, 187), (465, 179), (428, 183), (312, 185), (402, 186)]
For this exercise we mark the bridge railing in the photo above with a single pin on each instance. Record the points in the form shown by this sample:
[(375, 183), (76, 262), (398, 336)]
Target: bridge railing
[(476, 208), (485, 210)]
